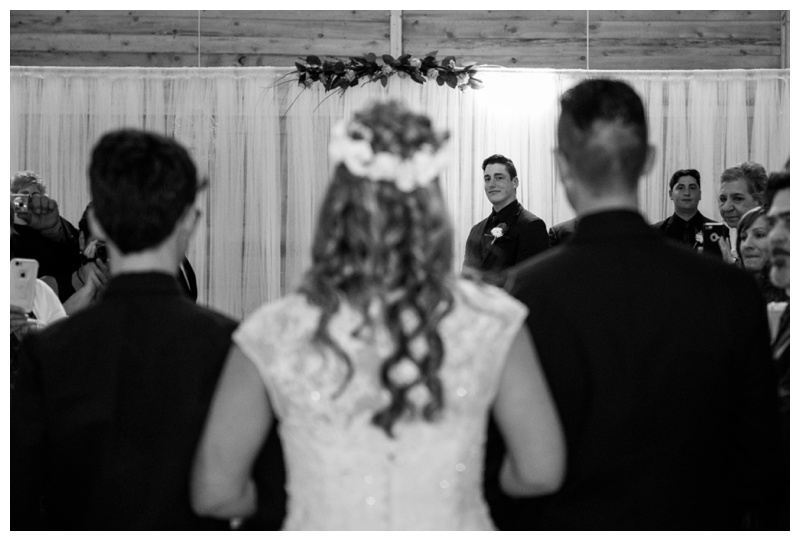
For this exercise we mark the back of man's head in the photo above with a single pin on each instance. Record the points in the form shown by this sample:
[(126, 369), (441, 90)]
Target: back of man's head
[(602, 133), (141, 183)]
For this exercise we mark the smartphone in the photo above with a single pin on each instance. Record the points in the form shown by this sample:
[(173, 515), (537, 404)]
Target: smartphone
[(23, 282), (19, 202), (712, 232)]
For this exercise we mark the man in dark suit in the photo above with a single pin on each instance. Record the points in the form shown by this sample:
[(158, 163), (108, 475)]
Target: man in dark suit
[(561, 232), (665, 393), (777, 205), (686, 223), (510, 234), (109, 405)]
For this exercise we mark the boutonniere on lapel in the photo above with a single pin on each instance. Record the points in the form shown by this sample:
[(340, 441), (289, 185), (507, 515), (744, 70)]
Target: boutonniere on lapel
[(499, 231)]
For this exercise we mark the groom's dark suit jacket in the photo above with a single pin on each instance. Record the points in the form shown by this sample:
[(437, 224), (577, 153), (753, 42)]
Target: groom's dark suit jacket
[(108, 408), (659, 363), (525, 236)]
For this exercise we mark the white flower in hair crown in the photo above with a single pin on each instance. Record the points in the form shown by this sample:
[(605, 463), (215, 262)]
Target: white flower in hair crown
[(406, 173)]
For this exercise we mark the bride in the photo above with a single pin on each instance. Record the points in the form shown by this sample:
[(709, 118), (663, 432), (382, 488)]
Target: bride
[(383, 366)]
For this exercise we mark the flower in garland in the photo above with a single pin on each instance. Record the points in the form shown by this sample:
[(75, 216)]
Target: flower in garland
[(342, 74)]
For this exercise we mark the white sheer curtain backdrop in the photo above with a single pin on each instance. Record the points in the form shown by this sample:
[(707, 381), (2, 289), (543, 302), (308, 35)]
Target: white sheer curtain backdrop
[(262, 141)]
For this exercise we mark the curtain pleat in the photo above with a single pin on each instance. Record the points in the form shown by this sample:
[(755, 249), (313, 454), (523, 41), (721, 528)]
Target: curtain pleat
[(261, 140)]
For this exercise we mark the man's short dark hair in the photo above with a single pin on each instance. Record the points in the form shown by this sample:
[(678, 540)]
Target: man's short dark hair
[(602, 131), (141, 183), (754, 174), (499, 158), (777, 181), (694, 173)]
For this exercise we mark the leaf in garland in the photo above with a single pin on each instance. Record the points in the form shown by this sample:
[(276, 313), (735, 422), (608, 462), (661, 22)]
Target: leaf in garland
[(354, 82), (432, 55), (371, 58), (313, 60), (467, 68), (300, 67), (384, 81), (417, 77), (343, 83), (404, 58), (451, 79), (440, 80), (339, 67), (388, 60)]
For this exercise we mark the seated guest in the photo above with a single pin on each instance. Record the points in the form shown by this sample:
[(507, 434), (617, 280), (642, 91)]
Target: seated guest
[(47, 309), (561, 232), (94, 256), (686, 223), (109, 404), (42, 234), (741, 189), (752, 245)]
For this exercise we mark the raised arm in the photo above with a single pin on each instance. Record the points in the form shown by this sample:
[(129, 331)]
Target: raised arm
[(237, 424), (528, 421)]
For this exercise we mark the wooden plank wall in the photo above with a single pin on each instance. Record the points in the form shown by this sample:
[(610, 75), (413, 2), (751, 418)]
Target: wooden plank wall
[(534, 39)]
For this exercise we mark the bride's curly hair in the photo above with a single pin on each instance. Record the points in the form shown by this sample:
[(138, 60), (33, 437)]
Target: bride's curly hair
[(388, 252)]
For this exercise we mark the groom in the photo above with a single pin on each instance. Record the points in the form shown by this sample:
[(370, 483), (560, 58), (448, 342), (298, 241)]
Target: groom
[(109, 404), (658, 359), (510, 234)]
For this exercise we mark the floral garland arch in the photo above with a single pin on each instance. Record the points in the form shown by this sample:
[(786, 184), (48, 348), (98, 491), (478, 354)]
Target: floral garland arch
[(341, 74)]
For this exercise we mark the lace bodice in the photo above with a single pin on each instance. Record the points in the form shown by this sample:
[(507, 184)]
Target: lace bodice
[(343, 472)]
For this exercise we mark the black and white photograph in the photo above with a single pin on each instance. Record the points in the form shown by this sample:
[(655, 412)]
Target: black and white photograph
[(391, 270)]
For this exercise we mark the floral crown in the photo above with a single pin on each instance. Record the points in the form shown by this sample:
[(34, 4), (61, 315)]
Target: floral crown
[(351, 145)]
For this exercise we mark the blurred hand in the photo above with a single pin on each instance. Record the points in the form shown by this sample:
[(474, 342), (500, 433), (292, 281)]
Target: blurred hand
[(95, 268), (85, 295), (725, 248), (19, 321), (42, 213)]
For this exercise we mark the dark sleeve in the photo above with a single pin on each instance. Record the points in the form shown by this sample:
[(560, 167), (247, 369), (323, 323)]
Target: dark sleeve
[(760, 456), (27, 443), (533, 240), (472, 251)]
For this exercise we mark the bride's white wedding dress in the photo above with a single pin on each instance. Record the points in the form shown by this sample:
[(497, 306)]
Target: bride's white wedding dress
[(345, 473)]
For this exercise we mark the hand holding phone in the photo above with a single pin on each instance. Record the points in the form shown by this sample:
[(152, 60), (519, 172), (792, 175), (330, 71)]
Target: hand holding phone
[(713, 232), (23, 282)]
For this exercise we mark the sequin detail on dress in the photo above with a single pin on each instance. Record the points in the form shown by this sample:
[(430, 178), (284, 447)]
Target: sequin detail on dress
[(343, 472)]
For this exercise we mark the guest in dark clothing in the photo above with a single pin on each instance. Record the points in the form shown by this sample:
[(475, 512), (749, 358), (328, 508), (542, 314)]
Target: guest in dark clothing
[(40, 233), (686, 223), (561, 232), (664, 431), (511, 234), (109, 404), (777, 205), (752, 245)]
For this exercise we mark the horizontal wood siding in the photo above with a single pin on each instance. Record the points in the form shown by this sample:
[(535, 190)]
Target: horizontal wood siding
[(640, 39)]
